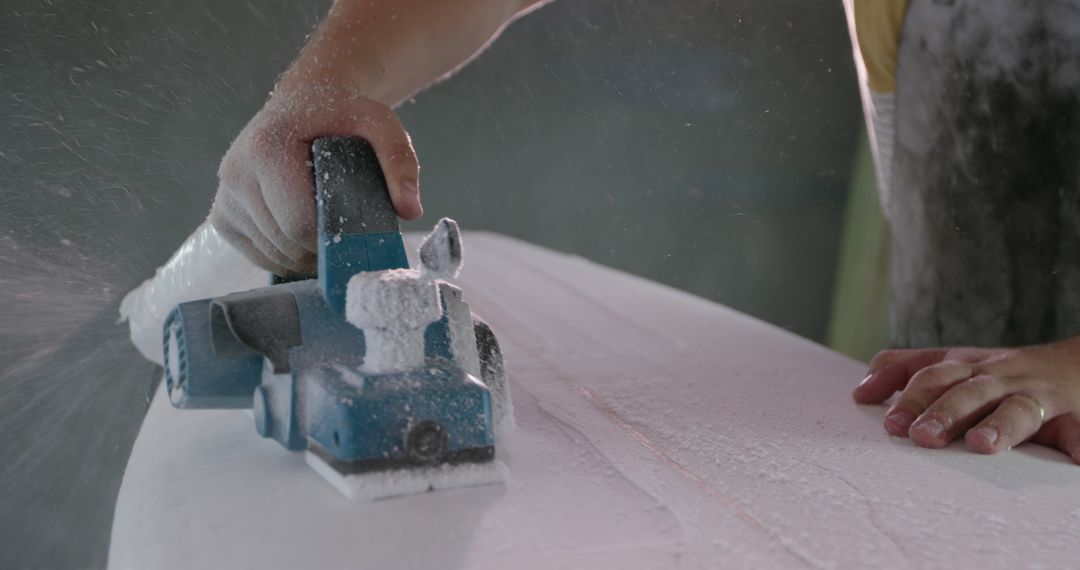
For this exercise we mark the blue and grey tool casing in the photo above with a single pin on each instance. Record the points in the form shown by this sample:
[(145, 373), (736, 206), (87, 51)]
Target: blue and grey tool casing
[(287, 352)]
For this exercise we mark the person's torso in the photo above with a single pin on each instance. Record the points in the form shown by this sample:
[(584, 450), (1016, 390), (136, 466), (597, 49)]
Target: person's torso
[(981, 181)]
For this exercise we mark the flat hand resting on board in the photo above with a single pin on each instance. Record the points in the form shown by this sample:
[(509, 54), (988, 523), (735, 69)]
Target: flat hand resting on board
[(995, 398)]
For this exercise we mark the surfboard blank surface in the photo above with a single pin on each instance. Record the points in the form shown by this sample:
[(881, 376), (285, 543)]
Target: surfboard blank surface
[(654, 430)]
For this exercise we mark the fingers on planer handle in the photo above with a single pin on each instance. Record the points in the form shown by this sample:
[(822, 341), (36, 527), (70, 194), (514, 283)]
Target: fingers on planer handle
[(351, 191)]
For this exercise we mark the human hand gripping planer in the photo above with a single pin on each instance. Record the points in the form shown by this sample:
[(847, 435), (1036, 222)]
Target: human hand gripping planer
[(379, 372)]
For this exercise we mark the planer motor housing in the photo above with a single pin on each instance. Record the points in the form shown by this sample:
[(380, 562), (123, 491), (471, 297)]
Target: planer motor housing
[(288, 352)]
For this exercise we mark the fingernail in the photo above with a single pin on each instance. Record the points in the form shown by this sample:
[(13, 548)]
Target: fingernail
[(931, 429), (988, 433), (865, 380), (897, 423)]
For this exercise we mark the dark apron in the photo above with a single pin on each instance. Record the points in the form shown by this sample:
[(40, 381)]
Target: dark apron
[(985, 211)]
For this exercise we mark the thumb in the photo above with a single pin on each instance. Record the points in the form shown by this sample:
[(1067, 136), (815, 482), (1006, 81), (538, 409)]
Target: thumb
[(394, 149)]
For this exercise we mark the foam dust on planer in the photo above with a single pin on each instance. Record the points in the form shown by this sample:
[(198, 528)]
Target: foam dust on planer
[(397, 482), (370, 367), (395, 308)]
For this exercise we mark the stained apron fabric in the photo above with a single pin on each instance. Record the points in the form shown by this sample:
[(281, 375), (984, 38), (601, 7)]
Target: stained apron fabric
[(984, 207)]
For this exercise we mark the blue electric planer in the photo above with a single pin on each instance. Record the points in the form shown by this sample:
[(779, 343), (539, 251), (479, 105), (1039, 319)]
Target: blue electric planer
[(287, 351)]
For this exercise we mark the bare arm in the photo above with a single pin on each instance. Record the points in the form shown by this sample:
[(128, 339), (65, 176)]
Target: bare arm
[(366, 57), (391, 49)]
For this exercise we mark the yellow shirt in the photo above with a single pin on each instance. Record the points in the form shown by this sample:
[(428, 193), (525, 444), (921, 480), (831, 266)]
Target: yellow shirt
[(878, 25)]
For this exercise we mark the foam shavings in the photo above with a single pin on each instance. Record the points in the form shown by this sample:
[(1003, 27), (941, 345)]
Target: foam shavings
[(393, 308), (204, 266), (393, 483)]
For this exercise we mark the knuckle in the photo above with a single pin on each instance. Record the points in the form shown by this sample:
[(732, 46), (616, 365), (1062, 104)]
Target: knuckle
[(401, 154), (307, 265), (380, 118), (228, 205), (229, 170), (222, 215), (265, 139), (1025, 403), (262, 137), (292, 229), (932, 377), (299, 229), (374, 113), (928, 374), (984, 381), (980, 387), (232, 235), (922, 381), (883, 357), (376, 110), (984, 387), (219, 221), (909, 404), (945, 412)]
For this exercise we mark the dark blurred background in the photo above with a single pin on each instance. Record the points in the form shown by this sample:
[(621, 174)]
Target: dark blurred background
[(708, 145)]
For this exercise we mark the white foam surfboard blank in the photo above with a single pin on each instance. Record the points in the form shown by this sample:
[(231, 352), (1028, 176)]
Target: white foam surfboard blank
[(654, 429)]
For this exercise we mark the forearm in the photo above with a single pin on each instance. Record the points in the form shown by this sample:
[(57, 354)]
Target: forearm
[(366, 57), (389, 50)]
